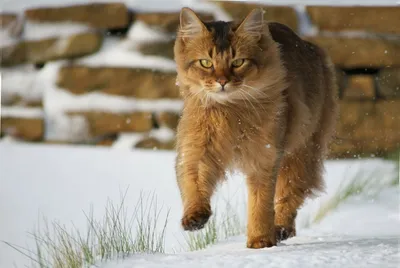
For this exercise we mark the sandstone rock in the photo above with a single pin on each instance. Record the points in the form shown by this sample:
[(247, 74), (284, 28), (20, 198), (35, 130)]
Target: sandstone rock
[(167, 22), (7, 18), (154, 144), (360, 87), (161, 49), (360, 52), (99, 15), (106, 142), (167, 119), (367, 128), (51, 49), (11, 25), (169, 145), (133, 82), (371, 19), (283, 14), (30, 129), (389, 83), (102, 123), (17, 100), (148, 143)]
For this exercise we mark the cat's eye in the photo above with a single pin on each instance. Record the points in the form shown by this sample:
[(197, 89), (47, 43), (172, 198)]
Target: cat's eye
[(237, 63), (206, 63)]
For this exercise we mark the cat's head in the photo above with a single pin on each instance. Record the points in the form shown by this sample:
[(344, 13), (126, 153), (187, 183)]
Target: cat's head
[(224, 61)]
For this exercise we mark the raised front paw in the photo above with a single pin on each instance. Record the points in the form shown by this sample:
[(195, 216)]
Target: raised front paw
[(195, 219), (261, 242), (283, 233)]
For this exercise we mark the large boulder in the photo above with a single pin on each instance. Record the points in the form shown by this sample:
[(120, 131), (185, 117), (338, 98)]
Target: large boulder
[(379, 19), (359, 52), (38, 51), (98, 15), (131, 82)]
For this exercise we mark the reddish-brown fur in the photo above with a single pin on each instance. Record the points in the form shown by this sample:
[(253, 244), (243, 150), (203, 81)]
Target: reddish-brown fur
[(272, 121)]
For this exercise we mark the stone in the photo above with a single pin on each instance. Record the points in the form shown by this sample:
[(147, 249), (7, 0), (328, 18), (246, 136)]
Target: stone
[(98, 15), (29, 129), (360, 87), (130, 82), (158, 48), (11, 25), (169, 145), (155, 144), (283, 14), (6, 19), (17, 100), (167, 119), (369, 127), (39, 51), (168, 21), (376, 19), (388, 80), (104, 123), (359, 52), (148, 143)]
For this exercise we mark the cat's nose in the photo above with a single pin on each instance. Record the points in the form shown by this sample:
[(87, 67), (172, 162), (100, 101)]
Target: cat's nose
[(222, 81)]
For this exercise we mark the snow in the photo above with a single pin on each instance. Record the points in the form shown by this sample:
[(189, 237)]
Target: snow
[(66, 101), (20, 81), (117, 53), (297, 252), (140, 32), (17, 111), (5, 38), (40, 31), (163, 134), (59, 182)]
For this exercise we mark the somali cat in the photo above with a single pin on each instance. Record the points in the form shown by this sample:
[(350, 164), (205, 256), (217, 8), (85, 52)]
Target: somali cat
[(259, 99)]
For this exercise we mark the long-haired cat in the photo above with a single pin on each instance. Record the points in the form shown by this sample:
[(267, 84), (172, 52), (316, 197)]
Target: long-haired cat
[(259, 99)]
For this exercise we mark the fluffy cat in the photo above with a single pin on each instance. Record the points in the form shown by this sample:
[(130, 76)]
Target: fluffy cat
[(257, 98)]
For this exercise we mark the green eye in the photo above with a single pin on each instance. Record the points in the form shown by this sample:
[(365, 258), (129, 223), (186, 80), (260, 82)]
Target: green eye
[(206, 63), (237, 63)]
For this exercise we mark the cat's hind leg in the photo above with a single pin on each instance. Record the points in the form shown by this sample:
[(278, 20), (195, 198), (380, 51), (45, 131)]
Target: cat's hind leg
[(300, 176)]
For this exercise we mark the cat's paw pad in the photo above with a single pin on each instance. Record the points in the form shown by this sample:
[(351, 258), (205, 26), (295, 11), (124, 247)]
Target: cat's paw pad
[(196, 220), (261, 242), (283, 233)]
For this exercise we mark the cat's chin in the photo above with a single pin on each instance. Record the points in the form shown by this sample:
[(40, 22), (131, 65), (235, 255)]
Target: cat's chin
[(221, 97)]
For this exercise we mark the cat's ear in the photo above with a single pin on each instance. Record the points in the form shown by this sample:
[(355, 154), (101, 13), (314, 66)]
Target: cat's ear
[(190, 24), (253, 24)]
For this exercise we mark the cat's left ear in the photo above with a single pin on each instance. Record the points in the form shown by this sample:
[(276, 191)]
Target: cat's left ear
[(253, 24), (190, 24)]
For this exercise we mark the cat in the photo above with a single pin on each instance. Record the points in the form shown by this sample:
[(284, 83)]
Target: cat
[(259, 99)]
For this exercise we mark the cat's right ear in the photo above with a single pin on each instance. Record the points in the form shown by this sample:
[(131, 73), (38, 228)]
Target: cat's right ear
[(190, 24)]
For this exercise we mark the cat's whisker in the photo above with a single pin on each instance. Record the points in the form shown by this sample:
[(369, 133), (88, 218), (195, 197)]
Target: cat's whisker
[(254, 108), (262, 107), (207, 97), (254, 98), (256, 90)]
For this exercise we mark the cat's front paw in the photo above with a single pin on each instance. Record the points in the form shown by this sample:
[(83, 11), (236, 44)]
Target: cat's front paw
[(283, 233), (195, 219), (261, 242)]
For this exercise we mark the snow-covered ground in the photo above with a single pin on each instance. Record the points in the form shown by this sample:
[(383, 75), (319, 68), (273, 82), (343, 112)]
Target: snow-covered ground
[(61, 182)]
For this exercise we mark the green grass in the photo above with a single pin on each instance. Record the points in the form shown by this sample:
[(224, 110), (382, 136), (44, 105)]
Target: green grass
[(368, 185), (226, 226), (116, 235)]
